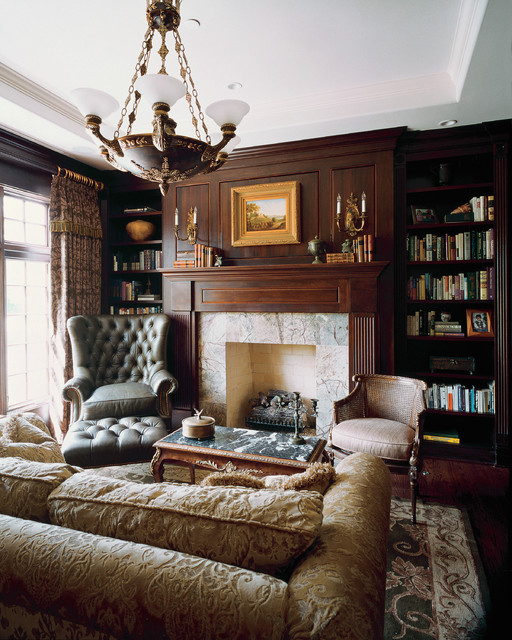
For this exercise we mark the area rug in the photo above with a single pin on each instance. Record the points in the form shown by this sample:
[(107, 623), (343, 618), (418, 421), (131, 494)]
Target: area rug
[(435, 585)]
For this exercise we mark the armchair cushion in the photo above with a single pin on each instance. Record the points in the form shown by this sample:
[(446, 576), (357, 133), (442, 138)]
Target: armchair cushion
[(118, 400), (381, 437)]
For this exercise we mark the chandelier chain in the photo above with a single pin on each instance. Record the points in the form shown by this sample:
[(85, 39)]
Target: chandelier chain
[(141, 66), (186, 75)]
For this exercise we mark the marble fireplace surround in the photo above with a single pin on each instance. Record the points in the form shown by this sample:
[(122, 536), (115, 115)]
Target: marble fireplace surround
[(334, 307), (327, 331)]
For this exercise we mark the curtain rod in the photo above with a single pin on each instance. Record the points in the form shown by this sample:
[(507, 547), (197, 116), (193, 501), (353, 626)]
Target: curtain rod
[(77, 177)]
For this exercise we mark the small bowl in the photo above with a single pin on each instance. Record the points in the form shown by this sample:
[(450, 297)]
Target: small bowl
[(198, 428)]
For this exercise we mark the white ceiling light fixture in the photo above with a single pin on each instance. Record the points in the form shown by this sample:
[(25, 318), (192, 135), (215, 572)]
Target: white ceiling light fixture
[(448, 123), (162, 156)]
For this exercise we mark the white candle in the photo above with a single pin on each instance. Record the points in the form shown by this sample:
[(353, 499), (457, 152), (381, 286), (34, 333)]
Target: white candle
[(363, 202), (176, 217), (338, 206), (195, 215)]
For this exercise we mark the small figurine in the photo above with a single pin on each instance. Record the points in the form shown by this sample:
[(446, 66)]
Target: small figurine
[(218, 261), (346, 247)]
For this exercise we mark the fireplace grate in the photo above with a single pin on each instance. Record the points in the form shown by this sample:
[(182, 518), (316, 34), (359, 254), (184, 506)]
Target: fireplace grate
[(263, 424)]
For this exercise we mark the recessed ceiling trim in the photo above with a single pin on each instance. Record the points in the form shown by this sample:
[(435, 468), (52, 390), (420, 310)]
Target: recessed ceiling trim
[(30, 95), (470, 20)]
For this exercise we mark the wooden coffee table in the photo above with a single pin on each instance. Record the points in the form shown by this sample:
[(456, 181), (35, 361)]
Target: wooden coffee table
[(260, 452)]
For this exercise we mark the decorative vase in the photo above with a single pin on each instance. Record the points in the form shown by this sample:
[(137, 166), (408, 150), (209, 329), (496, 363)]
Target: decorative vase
[(140, 230), (316, 248)]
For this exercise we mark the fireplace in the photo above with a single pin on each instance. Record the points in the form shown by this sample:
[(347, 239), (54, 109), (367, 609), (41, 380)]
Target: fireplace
[(331, 308), (328, 333)]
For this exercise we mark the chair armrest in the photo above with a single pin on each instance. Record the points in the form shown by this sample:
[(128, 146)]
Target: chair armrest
[(163, 384), (76, 391)]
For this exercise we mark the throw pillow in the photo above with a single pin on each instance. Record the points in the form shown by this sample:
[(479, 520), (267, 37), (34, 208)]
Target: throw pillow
[(255, 529), (318, 477), (26, 436), (25, 486), (232, 478)]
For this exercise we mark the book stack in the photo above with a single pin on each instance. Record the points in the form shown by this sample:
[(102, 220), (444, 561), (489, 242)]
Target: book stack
[(145, 260), (446, 436), (140, 210), (200, 256), (340, 257), (452, 329)]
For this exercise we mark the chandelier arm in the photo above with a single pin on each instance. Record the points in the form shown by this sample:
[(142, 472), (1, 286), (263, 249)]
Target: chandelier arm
[(186, 75), (210, 154)]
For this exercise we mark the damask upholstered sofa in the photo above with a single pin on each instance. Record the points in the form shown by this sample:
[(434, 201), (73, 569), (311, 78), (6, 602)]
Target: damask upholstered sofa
[(89, 556)]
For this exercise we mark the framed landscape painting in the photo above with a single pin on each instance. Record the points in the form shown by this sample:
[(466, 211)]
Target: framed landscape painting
[(265, 214)]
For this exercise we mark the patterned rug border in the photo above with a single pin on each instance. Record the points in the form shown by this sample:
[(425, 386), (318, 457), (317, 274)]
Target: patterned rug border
[(424, 509)]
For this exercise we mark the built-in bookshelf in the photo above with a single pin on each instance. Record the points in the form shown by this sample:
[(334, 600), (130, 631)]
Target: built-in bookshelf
[(450, 282), (135, 256)]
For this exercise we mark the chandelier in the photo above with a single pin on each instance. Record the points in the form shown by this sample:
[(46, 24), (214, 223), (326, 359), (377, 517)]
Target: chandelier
[(162, 156)]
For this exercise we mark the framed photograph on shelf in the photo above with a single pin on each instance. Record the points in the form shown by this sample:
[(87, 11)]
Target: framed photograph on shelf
[(479, 323), (265, 214), (423, 215)]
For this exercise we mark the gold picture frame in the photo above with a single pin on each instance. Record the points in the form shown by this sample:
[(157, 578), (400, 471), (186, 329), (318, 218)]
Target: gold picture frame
[(265, 214)]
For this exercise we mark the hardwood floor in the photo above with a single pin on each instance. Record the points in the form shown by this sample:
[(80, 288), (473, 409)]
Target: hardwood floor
[(483, 490)]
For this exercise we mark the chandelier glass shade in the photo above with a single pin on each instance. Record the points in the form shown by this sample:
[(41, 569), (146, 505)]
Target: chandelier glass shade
[(162, 156)]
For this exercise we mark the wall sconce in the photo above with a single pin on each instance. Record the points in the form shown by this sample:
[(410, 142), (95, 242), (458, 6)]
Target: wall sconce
[(354, 219), (192, 227)]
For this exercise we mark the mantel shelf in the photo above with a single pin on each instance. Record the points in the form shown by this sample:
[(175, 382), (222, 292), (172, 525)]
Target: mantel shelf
[(270, 272), (328, 288)]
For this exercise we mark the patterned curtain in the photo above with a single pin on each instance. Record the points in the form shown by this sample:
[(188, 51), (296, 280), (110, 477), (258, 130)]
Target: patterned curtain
[(75, 227)]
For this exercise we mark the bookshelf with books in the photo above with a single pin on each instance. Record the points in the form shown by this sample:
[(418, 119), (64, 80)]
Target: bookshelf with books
[(135, 252), (452, 293)]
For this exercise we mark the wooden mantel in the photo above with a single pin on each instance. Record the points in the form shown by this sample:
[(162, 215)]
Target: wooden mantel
[(328, 288)]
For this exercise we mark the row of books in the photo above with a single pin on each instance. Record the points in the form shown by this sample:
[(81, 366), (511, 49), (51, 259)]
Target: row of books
[(200, 256), (132, 311), (483, 208), (477, 244), (362, 250), (425, 322), (478, 209), (131, 290), (473, 285), (144, 260), (461, 398)]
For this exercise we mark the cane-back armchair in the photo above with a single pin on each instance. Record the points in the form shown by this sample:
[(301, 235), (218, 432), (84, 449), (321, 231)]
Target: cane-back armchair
[(383, 415)]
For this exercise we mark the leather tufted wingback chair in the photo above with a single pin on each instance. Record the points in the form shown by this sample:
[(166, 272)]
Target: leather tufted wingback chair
[(119, 366)]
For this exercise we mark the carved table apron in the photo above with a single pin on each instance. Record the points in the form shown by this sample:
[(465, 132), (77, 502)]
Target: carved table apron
[(260, 452)]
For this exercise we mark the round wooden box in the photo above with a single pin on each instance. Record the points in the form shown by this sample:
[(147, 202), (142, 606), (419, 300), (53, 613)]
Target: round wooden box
[(198, 427)]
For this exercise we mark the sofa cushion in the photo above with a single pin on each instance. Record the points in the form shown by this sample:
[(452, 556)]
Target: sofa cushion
[(25, 486), (318, 477), (26, 436), (254, 529)]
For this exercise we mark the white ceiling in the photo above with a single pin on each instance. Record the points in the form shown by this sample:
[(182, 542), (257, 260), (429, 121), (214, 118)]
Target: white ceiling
[(309, 68)]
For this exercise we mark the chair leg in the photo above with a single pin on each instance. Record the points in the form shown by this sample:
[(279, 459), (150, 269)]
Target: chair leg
[(413, 481)]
